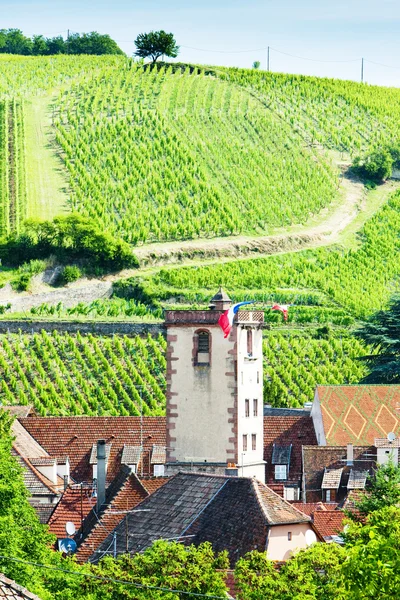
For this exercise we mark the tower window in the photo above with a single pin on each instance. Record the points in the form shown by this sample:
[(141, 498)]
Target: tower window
[(247, 407), (249, 342), (202, 348), (244, 443), (255, 407), (253, 441)]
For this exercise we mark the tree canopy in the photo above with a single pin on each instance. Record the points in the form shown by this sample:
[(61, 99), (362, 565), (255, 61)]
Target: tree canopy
[(13, 41), (382, 333), (156, 44)]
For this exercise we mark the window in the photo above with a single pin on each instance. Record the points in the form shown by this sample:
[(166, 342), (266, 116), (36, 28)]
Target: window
[(289, 536), (244, 443), (280, 471), (159, 470), (203, 348), (253, 441), (327, 495), (255, 407), (247, 407), (249, 342)]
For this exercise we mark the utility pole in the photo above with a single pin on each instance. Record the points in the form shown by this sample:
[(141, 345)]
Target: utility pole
[(362, 70), (268, 59)]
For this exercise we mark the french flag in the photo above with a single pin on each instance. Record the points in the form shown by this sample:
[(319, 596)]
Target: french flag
[(226, 319)]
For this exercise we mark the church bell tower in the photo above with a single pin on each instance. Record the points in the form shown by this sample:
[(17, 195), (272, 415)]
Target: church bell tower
[(215, 391)]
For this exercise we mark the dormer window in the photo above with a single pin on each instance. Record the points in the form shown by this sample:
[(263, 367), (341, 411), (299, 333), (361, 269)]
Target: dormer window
[(203, 343)]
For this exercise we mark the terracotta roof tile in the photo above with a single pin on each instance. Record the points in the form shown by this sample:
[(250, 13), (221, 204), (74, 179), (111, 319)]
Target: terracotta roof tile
[(331, 479), (309, 508), (10, 589), (75, 436), (93, 454), (131, 455), (358, 414), (158, 455), (74, 505), (328, 523)]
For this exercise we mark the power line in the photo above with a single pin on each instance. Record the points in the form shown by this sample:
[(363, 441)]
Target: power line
[(380, 64), (110, 579), (316, 60)]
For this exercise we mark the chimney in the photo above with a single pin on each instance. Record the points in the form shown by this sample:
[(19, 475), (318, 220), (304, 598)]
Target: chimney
[(101, 473), (350, 455)]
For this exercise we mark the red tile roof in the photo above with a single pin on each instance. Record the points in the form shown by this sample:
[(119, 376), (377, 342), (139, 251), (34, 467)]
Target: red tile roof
[(128, 496), (74, 505), (10, 589), (359, 413), (309, 508), (75, 436), (283, 431), (329, 522)]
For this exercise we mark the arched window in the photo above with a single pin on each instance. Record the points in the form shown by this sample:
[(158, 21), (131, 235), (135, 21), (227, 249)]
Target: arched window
[(202, 348)]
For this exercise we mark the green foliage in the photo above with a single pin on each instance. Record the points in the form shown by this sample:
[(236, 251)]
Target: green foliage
[(382, 333), (383, 490), (376, 166), (22, 279), (312, 574), (13, 41), (67, 237), (156, 44), (256, 64), (372, 567), (70, 273)]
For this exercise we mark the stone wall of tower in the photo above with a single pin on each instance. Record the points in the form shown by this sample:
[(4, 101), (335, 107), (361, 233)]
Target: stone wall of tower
[(201, 399)]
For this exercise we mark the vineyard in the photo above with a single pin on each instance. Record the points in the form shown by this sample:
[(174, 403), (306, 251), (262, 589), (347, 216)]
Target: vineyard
[(68, 374)]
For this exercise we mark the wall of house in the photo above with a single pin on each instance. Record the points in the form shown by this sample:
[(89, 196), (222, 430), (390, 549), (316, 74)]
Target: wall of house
[(279, 547), (250, 386), (316, 416), (201, 399)]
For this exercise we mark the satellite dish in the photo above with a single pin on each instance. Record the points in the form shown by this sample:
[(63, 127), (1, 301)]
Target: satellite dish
[(311, 538), (70, 528), (391, 436), (67, 546)]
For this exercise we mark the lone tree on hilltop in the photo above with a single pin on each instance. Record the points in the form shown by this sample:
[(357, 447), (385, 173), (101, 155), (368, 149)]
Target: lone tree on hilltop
[(382, 333), (155, 44)]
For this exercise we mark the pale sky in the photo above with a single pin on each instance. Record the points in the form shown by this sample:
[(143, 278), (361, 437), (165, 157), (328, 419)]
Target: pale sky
[(320, 30)]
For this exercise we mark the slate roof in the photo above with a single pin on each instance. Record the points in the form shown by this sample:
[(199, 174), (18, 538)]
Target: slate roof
[(75, 436), (328, 523), (282, 431), (272, 411), (9, 589), (281, 455), (358, 414), (131, 455), (357, 480), (331, 479), (317, 458), (232, 513)]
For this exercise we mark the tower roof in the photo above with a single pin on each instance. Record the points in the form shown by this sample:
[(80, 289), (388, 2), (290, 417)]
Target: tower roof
[(221, 296)]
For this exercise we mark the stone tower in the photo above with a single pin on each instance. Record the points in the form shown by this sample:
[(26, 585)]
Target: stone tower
[(215, 391)]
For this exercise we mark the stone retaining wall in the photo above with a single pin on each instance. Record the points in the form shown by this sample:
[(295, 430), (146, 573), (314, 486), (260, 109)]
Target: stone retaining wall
[(99, 328)]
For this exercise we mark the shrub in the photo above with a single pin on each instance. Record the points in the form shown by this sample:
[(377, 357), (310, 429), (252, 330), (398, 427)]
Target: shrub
[(70, 273), (376, 166)]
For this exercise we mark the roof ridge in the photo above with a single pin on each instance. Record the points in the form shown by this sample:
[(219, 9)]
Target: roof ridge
[(47, 482), (256, 483)]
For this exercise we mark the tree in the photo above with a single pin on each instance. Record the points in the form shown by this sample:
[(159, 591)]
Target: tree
[(155, 44), (256, 64), (91, 43), (382, 333), (13, 41), (372, 566), (56, 45), (376, 166), (383, 490), (39, 45)]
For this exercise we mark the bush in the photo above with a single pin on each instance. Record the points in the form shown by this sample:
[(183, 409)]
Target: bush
[(375, 167), (21, 282), (67, 237), (70, 273)]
